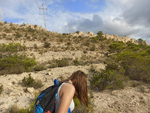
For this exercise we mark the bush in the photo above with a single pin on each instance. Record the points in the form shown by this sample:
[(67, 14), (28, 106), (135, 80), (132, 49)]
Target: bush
[(29, 29), (59, 63), (134, 59), (76, 62), (11, 47), (16, 109), (116, 47), (109, 79), (147, 51), (77, 32), (133, 47), (35, 46), (92, 48), (136, 65), (62, 62), (141, 41), (30, 82), (1, 24), (86, 43), (1, 89), (46, 44), (39, 67), (77, 102), (79, 108), (18, 35), (100, 34), (95, 39), (8, 30), (5, 22), (16, 64)]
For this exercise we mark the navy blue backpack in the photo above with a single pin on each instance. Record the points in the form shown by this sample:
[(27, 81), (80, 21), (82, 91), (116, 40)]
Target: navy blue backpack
[(46, 101)]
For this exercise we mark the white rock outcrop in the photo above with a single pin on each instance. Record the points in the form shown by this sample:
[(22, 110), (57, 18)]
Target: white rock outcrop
[(118, 38), (80, 33)]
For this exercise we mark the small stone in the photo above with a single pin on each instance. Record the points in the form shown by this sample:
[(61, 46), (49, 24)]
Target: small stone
[(30, 90), (12, 94)]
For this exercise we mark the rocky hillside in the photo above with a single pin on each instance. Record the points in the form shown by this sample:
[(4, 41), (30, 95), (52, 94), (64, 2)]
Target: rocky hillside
[(58, 56)]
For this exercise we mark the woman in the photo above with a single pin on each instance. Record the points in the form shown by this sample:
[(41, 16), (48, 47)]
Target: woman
[(75, 85)]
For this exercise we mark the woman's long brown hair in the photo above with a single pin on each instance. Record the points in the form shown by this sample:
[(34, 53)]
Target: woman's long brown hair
[(79, 80)]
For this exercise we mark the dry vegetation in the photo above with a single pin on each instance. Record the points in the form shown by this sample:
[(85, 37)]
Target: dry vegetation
[(30, 48)]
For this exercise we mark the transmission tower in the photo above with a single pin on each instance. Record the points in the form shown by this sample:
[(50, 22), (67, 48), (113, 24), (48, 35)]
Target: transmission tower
[(43, 9)]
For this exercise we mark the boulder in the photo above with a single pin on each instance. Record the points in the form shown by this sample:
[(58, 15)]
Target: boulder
[(1, 22), (91, 33)]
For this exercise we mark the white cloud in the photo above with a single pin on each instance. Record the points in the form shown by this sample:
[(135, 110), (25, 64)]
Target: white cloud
[(123, 17)]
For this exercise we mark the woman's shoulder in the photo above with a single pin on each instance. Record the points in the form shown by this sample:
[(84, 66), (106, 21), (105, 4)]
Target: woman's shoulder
[(67, 87)]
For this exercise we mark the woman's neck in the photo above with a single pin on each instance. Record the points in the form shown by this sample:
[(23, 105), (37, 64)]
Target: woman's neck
[(70, 81)]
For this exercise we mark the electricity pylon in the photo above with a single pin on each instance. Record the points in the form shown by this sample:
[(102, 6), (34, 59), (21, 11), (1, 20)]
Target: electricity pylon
[(43, 9)]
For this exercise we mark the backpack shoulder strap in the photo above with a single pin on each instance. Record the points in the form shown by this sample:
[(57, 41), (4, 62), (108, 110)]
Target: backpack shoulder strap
[(67, 82), (56, 82)]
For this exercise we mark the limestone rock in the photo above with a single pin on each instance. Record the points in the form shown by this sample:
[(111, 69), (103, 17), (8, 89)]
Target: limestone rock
[(30, 90), (1, 22)]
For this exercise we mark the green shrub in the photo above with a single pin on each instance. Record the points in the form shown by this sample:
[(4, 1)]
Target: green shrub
[(1, 89), (59, 63), (18, 35), (16, 64), (1, 24), (76, 62), (77, 32), (92, 68), (95, 39), (28, 37), (30, 82), (136, 65), (62, 62), (112, 64), (4, 35), (92, 48), (77, 102), (116, 47), (16, 109), (133, 58), (109, 79), (147, 51), (100, 34), (133, 47), (8, 30), (39, 67), (35, 26), (30, 29), (46, 44), (44, 39), (11, 47), (86, 43), (79, 108), (38, 84), (35, 46), (141, 41), (68, 43), (52, 65)]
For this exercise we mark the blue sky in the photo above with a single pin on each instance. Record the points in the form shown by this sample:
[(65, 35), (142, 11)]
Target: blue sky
[(121, 17)]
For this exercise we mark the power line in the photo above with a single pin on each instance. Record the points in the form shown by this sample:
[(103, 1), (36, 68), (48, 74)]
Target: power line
[(43, 9)]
